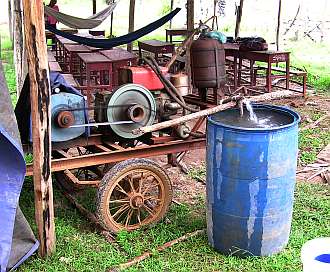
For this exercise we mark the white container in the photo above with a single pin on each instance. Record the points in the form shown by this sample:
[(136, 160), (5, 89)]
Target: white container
[(315, 255)]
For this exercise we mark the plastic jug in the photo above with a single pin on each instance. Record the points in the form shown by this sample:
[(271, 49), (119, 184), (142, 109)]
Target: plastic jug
[(315, 255)]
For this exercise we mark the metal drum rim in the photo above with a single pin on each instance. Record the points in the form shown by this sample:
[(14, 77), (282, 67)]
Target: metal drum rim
[(294, 114)]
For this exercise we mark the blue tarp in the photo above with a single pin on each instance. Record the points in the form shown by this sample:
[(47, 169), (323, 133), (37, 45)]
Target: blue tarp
[(17, 241)]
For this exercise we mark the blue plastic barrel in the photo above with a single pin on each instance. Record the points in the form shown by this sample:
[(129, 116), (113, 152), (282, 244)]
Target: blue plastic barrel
[(250, 184)]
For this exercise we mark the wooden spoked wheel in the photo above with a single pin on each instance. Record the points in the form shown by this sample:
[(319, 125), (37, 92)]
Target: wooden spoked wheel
[(133, 194)]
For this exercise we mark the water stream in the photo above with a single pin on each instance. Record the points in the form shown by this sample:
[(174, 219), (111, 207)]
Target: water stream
[(253, 117)]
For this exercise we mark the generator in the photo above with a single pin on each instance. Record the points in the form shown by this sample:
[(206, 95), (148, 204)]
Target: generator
[(93, 143)]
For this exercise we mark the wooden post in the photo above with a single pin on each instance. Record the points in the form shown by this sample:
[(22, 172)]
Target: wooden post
[(34, 24), (19, 48), (131, 22), (94, 6), (239, 12), (10, 20), (172, 4), (111, 22), (278, 25), (190, 15), (190, 27)]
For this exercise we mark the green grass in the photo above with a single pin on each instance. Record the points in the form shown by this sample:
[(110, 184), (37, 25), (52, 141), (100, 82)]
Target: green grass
[(7, 59), (314, 59), (80, 248), (198, 173), (311, 142)]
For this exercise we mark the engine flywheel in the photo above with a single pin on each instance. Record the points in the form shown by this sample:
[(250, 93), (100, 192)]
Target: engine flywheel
[(131, 102)]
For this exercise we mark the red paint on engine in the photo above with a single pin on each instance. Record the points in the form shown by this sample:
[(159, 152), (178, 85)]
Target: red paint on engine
[(142, 75)]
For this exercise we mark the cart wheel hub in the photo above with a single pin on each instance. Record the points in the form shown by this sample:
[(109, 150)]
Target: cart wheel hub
[(137, 201)]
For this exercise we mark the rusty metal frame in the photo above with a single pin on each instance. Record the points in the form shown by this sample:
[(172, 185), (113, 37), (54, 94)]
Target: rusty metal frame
[(64, 163)]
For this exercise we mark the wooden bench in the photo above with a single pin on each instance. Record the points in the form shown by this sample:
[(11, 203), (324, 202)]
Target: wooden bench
[(292, 73)]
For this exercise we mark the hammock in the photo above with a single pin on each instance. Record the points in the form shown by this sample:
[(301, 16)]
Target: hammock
[(80, 23), (125, 39)]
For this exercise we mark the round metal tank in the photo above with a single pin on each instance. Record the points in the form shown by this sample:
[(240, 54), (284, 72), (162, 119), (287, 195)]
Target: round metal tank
[(207, 63), (250, 183)]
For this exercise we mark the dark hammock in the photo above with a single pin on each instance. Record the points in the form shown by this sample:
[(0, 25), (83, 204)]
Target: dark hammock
[(125, 39)]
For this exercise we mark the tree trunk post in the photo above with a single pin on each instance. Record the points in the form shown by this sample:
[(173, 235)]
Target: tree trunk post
[(172, 4), (94, 6), (278, 25), (131, 22), (190, 27), (10, 20), (111, 21), (35, 40), (19, 48), (239, 12), (190, 15)]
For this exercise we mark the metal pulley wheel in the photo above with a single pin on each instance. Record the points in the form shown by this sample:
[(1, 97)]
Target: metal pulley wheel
[(133, 194), (63, 116), (131, 102)]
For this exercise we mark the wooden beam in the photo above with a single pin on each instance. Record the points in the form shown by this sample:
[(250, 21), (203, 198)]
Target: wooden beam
[(239, 12), (35, 38), (94, 6), (227, 104), (131, 22), (190, 15), (278, 25)]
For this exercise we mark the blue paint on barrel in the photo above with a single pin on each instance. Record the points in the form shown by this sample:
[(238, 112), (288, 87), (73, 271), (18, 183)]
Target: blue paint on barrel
[(250, 185)]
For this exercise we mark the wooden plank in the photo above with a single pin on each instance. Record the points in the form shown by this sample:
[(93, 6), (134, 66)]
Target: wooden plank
[(40, 101)]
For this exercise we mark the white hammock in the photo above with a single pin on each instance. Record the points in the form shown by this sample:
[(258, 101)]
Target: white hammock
[(81, 23)]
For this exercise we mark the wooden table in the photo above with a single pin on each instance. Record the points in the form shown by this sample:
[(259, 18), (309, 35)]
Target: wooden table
[(54, 66), (95, 73), (119, 57), (59, 47), (231, 50), (51, 57), (156, 47), (268, 57), (71, 61), (171, 32)]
